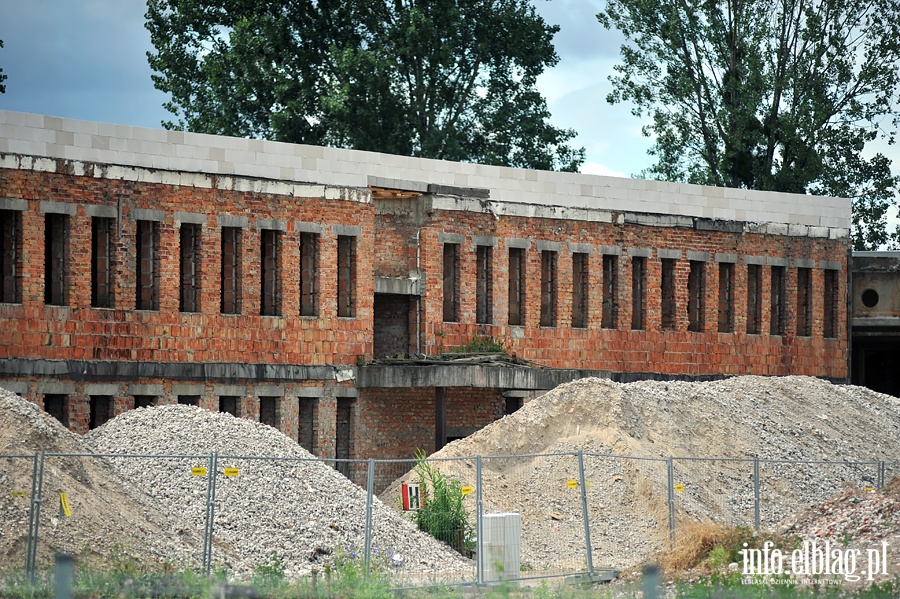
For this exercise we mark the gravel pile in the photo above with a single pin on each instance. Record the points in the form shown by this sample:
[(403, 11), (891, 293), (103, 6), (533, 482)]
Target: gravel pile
[(296, 507), (110, 520), (789, 418)]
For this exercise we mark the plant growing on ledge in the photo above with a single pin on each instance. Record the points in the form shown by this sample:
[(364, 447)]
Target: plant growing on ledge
[(442, 514), (481, 344)]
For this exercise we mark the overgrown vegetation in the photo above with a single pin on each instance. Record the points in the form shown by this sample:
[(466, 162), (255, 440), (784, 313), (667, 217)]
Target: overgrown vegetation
[(480, 344), (442, 513)]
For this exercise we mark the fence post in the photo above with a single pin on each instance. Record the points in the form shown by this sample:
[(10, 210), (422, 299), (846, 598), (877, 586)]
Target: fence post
[(370, 492), (756, 493), (479, 538), (34, 516), (65, 566), (584, 511), (210, 512), (671, 473), (879, 473)]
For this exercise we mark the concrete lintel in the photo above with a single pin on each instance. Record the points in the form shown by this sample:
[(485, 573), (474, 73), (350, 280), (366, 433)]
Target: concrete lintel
[(697, 256), (667, 254), (400, 184), (639, 252), (830, 265), (100, 211), (229, 220), (190, 218), (451, 238), (184, 389), (155, 390), (309, 391), (101, 389), (523, 244), (804, 263), (517, 393), (229, 390), (344, 392), (271, 224), (468, 375), (580, 248), (729, 258), (346, 230), (15, 386), (886, 322), (397, 286), (157, 216), (307, 227), (269, 391), (610, 250), (773, 261), (48, 207), (13, 204), (52, 387), (451, 190), (484, 240), (758, 260), (548, 246)]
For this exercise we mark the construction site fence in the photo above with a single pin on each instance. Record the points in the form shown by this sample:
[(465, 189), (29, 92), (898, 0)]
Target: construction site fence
[(518, 511)]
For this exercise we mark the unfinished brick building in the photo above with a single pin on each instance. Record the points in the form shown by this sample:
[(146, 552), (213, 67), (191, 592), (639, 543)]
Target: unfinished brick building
[(265, 279)]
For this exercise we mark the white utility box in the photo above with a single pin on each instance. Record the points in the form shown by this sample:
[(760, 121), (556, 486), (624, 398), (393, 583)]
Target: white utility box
[(502, 534)]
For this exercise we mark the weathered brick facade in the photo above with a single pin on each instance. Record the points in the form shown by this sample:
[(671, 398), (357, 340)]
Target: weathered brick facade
[(236, 284)]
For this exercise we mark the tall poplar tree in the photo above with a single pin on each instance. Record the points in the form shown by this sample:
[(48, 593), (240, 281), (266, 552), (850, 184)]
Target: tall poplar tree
[(776, 95)]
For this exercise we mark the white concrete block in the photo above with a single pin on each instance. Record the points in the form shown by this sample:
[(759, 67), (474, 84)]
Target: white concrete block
[(35, 148)]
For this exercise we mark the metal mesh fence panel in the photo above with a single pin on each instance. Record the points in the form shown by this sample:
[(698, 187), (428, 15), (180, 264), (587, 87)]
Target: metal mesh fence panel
[(16, 482), (118, 509), (423, 521), (628, 508), (713, 490), (544, 491), (890, 471), (790, 487)]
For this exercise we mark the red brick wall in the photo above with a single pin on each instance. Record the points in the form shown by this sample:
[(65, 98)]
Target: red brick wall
[(78, 331), (622, 349)]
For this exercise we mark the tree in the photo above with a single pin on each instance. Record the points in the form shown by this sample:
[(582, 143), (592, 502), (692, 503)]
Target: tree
[(2, 76), (447, 79), (776, 95)]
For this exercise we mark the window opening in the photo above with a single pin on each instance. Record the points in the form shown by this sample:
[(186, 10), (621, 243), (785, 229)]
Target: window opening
[(230, 295), (696, 292), (548, 288)]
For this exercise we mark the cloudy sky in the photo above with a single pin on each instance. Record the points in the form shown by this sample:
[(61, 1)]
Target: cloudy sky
[(86, 59)]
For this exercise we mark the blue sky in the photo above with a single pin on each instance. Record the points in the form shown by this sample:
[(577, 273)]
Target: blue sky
[(86, 59)]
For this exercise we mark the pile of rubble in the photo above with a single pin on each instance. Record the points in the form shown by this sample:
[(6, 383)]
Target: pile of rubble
[(289, 507), (627, 433), (109, 519)]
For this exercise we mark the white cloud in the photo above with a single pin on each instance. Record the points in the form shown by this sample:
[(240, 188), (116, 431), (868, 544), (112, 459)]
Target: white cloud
[(595, 168)]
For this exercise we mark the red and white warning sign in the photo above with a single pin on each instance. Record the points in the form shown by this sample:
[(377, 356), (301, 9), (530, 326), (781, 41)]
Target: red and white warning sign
[(411, 498)]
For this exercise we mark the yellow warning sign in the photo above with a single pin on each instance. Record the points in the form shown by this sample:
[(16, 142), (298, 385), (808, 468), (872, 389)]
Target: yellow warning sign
[(870, 489), (571, 484), (198, 471), (232, 471), (64, 505), (467, 490), (19, 493), (679, 487)]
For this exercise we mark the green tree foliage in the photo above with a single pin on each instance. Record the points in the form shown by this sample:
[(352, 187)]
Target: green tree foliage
[(2, 76), (776, 95), (447, 79)]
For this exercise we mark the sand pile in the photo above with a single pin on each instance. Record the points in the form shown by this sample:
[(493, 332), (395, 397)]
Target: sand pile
[(790, 418)]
